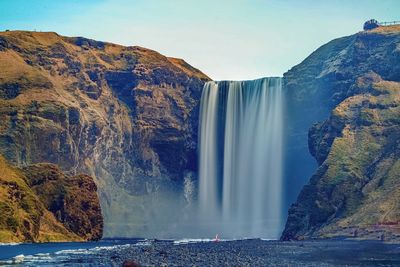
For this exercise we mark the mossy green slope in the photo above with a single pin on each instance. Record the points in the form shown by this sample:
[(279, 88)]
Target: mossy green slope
[(355, 191)]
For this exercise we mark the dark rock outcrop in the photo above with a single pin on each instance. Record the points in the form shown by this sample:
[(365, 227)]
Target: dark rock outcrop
[(39, 203), (354, 83), (72, 199)]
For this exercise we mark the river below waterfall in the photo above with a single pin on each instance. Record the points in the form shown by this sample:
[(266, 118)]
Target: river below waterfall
[(195, 252)]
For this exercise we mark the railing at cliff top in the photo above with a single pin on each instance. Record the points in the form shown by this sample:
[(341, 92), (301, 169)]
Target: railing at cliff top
[(387, 23)]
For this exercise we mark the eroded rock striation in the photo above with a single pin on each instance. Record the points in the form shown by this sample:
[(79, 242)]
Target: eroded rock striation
[(127, 116), (354, 83)]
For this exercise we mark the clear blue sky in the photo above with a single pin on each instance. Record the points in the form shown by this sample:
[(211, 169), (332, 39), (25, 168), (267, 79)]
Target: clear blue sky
[(226, 39)]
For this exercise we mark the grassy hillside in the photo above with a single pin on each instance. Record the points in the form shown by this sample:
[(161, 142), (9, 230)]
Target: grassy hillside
[(355, 191), (127, 116)]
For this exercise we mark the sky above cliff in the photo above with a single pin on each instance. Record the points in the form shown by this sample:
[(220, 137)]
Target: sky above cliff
[(226, 39)]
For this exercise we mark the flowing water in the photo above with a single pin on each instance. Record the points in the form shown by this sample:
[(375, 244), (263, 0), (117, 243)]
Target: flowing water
[(240, 176)]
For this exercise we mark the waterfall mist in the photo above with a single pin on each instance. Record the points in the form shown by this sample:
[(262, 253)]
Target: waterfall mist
[(240, 162)]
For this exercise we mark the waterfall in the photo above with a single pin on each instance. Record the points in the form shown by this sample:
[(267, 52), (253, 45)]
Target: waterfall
[(240, 163)]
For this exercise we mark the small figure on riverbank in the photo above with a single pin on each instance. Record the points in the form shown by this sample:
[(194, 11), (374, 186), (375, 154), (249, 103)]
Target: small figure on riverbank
[(216, 239)]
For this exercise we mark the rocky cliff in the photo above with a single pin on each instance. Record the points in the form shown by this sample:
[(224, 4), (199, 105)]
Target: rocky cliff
[(125, 115), (39, 203), (352, 85), (128, 117)]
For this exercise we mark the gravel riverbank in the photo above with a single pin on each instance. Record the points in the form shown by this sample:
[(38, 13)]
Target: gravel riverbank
[(261, 253), (254, 252)]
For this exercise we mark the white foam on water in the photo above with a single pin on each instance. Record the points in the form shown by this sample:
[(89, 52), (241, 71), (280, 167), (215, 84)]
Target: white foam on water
[(92, 250), (40, 257), (10, 244), (205, 240), (199, 240), (19, 258), (73, 251), (143, 243), (48, 258)]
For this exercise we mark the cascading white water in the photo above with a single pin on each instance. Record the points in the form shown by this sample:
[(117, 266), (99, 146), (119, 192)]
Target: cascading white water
[(240, 176), (208, 156)]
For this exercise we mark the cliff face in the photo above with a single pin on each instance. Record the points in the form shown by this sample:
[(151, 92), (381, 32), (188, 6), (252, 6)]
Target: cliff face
[(354, 83), (39, 203), (125, 115), (128, 117)]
